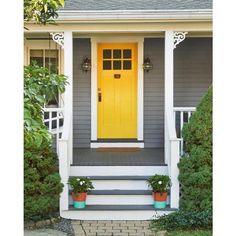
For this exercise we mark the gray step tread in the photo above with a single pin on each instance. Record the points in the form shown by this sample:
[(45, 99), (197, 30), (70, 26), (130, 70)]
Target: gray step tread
[(121, 208), (124, 177), (120, 192)]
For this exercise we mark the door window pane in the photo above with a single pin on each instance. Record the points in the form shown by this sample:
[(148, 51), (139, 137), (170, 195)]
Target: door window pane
[(127, 53), (106, 65), (117, 53), (106, 53), (116, 65), (36, 55), (127, 65)]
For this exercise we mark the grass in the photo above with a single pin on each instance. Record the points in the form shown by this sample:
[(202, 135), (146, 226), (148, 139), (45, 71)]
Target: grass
[(191, 233)]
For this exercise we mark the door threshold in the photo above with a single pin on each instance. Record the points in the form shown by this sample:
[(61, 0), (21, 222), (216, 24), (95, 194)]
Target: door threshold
[(117, 144), (117, 140)]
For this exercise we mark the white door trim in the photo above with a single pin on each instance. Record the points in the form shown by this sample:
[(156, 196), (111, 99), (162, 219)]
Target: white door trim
[(118, 39)]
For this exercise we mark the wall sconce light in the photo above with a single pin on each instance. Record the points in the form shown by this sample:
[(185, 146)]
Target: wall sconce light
[(147, 65), (86, 65)]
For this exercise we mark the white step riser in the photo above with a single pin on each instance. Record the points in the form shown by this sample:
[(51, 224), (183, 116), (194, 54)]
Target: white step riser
[(118, 200), (112, 215), (117, 170), (120, 184)]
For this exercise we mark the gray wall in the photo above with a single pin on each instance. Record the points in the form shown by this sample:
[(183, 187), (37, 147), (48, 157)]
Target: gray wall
[(81, 95), (193, 75), (154, 94), (193, 70)]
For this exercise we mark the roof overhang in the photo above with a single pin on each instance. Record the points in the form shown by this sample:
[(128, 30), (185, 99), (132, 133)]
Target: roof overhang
[(71, 16)]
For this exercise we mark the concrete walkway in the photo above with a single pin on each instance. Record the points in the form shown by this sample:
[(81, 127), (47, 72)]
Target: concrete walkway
[(44, 232)]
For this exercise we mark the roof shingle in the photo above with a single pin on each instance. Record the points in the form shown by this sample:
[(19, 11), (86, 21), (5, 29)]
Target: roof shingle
[(85, 5)]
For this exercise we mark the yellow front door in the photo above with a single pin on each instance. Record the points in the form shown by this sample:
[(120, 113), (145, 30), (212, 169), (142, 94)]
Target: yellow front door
[(117, 91)]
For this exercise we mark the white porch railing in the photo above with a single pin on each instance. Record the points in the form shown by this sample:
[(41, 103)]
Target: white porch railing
[(53, 119), (182, 116), (59, 124), (64, 153)]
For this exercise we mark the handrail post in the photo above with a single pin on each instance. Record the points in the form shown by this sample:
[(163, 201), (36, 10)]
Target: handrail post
[(63, 170), (174, 173)]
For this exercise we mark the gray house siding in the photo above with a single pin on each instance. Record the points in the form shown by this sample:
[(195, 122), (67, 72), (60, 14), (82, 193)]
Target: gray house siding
[(193, 71), (154, 94), (81, 95), (193, 75)]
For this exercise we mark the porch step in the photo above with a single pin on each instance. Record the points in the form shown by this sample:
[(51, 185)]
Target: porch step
[(119, 197), (115, 212), (119, 192), (128, 177), (111, 171), (121, 208)]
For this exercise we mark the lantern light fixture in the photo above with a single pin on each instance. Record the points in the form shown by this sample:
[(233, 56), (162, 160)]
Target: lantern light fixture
[(86, 64), (147, 65)]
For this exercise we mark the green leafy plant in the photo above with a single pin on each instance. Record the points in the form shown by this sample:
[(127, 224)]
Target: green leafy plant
[(159, 183), (80, 184), (183, 220), (42, 182), (42, 11), (196, 166)]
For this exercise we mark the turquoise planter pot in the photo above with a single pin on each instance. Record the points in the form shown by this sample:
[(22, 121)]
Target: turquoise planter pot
[(79, 205), (159, 205)]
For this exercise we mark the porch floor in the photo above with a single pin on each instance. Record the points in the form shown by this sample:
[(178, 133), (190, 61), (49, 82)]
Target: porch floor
[(118, 157)]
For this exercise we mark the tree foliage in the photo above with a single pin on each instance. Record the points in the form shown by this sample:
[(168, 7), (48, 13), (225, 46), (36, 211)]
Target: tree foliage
[(42, 11), (196, 166), (42, 184)]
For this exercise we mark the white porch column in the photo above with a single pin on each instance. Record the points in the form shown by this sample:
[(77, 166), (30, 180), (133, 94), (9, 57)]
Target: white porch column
[(169, 84), (68, 95)]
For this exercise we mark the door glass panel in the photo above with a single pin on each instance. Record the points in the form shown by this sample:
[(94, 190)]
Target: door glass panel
[(106, 65), (127, 53), (36, 55), (117, 53), (51, 60), (116, 65), (127, 65), (106, 53)]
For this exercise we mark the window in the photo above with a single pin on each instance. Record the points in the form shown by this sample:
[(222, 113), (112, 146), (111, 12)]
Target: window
[(117, 59), (47, 58)]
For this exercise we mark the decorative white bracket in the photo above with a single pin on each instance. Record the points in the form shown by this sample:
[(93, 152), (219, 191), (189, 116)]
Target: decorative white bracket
[(178, 38), (58, 38)]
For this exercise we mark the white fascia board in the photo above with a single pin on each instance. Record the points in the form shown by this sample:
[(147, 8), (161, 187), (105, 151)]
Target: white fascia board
[(133, 15)]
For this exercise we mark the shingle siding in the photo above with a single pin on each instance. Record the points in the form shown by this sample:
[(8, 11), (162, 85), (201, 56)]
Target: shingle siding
[(137, 4), (81, 95)]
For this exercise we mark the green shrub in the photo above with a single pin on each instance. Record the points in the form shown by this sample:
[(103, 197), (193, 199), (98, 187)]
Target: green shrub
[(42, 184), (183, 220), (196, 166)]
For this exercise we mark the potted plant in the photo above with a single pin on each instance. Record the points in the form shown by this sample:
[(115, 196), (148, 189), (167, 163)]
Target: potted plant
[(160, 185), (80, 186)]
